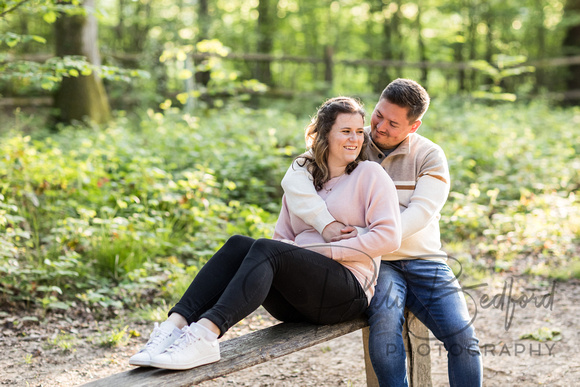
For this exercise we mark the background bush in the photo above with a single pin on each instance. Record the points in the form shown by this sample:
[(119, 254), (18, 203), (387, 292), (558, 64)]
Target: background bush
[(119, 215)]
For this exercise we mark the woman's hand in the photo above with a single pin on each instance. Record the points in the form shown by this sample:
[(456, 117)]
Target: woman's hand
[(288, 241), (337, 231)]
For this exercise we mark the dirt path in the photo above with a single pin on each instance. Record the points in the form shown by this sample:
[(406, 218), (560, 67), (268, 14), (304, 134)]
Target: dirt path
[(34, 350)]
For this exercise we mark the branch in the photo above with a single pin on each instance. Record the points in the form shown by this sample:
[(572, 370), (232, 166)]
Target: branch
[(13, 8)]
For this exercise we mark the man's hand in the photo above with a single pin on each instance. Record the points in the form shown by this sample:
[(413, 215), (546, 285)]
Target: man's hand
[(337, 231)]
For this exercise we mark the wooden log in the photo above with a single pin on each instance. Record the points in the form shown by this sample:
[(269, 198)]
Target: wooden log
[(238, 353)]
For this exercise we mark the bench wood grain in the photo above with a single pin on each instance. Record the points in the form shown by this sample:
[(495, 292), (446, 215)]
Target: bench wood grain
[(262, 346)]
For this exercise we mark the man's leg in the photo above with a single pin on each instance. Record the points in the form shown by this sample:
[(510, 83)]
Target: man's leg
[(386, 319), (436, 298)]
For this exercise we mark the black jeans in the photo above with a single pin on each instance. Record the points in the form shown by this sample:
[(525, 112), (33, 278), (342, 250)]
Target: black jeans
[(292, 283)]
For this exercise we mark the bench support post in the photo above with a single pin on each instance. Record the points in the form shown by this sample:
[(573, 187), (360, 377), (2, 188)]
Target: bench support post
[(417, 348)]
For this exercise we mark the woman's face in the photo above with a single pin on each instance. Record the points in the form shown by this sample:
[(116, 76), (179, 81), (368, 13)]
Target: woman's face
[(345, 141)]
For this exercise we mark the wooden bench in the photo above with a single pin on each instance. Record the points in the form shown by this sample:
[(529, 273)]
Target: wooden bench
[(273, 342)]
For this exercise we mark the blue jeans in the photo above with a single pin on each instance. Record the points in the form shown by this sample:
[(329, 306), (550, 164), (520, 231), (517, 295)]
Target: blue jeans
[(430, 290)]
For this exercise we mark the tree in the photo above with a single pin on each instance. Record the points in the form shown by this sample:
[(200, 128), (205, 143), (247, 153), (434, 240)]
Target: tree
[(203, 77), (571, 45), (421, 44), (541, 41), (266, 27), (81, 97)]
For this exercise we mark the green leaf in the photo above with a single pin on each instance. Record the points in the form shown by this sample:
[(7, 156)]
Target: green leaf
[(73, 72), (38, 39), (185, 74), (59, 305), (12, 41), (49, 17), (182, 98)]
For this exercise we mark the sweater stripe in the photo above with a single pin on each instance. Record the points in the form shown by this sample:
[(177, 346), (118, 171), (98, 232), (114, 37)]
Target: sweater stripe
[(435, 176)]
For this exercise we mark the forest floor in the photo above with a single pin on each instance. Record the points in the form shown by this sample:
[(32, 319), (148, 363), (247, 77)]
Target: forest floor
[(64, 350)]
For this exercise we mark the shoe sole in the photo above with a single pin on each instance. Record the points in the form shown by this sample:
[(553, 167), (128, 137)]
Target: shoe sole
[(140, 363), (198, 362)]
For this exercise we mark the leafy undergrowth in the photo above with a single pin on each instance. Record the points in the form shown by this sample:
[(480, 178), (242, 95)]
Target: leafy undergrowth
[(515, 177), (123, 216), (103, 216)]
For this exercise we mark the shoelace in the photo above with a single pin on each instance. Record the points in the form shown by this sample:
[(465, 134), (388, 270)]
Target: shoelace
[(188, 336), (157, 336)]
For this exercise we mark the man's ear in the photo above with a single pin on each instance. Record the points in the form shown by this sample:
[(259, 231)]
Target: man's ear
[(415, 126)]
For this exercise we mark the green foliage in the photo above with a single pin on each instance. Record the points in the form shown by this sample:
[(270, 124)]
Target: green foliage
[(116, 338), (494, 36), (126, 214), (11, 39), (514, 181), (82, 209), (543, 334), (505, 66), (64, 341), (29, 76), (28, 358)]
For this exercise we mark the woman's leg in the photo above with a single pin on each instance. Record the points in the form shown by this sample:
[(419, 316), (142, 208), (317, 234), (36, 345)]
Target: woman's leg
[(203, 292), (316, 288), (213, 278), (319, 289)]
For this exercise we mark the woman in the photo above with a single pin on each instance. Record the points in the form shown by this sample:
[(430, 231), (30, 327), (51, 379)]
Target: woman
[(296, 276)]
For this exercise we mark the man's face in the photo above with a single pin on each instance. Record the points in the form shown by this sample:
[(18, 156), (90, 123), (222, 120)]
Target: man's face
[(390, 125)]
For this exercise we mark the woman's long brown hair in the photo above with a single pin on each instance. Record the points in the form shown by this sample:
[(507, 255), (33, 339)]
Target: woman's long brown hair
[(316, 135)]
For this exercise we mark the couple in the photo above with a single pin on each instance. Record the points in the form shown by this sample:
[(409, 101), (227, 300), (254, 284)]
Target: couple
[(340, 207)]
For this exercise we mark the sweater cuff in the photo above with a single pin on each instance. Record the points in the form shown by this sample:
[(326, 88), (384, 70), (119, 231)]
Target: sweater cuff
[(322, 220)]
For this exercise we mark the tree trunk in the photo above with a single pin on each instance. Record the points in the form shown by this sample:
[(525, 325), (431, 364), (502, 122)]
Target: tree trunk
[(82, 97), (120, 27), (203, 77), (473, 19), (571, 45), (397, 38), (328, 66), (387, 50), (421, 43), (265, 41), (458, 58), (489, 48), (540, 39)]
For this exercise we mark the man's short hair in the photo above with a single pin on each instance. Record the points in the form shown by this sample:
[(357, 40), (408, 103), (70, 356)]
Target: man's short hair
[(410, 94)]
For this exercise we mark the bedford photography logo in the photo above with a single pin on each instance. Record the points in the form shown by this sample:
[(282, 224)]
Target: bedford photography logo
[(505, 301)]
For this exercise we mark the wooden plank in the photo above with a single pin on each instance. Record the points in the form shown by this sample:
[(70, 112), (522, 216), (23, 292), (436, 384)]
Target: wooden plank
[(238, 353)]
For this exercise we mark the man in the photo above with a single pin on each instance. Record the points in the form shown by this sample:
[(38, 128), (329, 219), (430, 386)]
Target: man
[(415, 276)]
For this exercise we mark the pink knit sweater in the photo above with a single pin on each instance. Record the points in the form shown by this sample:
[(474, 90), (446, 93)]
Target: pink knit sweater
[(366, 198)]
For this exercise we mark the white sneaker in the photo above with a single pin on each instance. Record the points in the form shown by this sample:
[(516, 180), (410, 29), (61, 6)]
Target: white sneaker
[(191, 350), (159, 341)]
